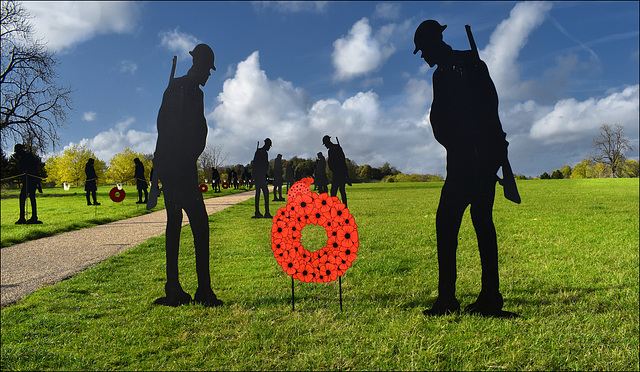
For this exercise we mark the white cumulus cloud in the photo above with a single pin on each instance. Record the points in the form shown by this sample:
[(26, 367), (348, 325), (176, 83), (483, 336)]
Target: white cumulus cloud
[(117, 138), (89, 116), (361, 52), (178, 42), (505, 44), (63, 24), (253, 107), (572, 120)]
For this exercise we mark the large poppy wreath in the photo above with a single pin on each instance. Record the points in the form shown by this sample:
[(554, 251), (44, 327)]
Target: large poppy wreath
[(305, 207)]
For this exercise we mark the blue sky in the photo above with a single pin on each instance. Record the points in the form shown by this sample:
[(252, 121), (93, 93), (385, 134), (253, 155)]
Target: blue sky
[(295, 71)]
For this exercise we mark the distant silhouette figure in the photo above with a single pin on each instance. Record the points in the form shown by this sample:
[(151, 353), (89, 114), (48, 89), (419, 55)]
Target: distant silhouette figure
[(141, 181), (234, 178), (90, 185), (215, 179), (277, 179), (182, 134), (321, 179), (259, 173), (246, 178), (288, 175), (338, 166), (464, 119), (28, 168)]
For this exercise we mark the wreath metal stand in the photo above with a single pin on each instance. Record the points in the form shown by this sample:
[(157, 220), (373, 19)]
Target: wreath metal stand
[(293, 294)]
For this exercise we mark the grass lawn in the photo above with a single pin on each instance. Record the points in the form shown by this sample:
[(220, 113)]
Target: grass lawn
[(568, 266), (68, 210)]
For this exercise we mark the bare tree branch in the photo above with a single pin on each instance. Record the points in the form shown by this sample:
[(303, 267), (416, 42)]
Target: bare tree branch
[(610, 148), (33, 105)]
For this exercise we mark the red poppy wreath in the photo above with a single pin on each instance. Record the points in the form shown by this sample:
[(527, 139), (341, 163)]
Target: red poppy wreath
[(117, 195), (305, 207)]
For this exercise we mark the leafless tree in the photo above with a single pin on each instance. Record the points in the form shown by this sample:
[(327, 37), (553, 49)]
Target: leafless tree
[(213, 156), (33, 104), (610, 147)]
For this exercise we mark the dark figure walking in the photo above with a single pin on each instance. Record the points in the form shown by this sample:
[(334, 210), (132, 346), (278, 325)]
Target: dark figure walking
[(464, 118), (288, 175), (215, 179), (182, 133), (91, 185), (278, 179), (28, 169), (337, 166), (321, 179), (141, 181), (234, 179), (259, 173)]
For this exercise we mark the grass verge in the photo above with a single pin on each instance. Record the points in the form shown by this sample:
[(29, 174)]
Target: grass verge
[(68, 211)]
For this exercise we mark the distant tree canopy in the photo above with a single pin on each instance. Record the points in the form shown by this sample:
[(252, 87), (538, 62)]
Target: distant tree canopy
[(68, 166), (122, 167), (588, 168)]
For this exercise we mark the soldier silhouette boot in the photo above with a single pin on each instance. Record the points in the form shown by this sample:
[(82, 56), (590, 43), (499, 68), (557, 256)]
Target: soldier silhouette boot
[(443, 307), (207, 298), (34, 221), (489, 306), (175, 296)]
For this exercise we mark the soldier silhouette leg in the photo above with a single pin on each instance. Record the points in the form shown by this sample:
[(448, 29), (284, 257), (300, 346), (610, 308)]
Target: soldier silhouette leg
[(335, 186), (28, 190), (262, 187), (189, 199)]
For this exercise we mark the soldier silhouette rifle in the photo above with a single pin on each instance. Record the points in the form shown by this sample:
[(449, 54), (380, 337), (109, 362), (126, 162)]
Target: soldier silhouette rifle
[(464, 118)]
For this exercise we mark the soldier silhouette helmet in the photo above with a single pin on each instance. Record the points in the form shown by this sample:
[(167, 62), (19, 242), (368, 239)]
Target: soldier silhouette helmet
[(203, 56), (267, 141), (427, 33), (326, 140)]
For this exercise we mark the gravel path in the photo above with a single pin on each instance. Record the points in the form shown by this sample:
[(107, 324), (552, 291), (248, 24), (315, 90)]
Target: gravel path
[(26, 267)]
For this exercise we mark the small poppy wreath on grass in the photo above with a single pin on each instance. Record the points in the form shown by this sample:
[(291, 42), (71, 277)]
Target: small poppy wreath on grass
[(204, 187), (305, 207), (117, 195), (225, 185)]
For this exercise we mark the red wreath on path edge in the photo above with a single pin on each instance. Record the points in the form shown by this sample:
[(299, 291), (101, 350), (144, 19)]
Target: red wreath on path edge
[(225, 185), (117, 195), (305, 207), (204, 187)]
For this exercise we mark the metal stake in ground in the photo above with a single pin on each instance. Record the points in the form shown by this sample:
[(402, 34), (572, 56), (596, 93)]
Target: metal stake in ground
[(293, 298)]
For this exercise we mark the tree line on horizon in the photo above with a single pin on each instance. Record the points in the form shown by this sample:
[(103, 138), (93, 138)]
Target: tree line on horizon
[(588, 168), (68, 167)]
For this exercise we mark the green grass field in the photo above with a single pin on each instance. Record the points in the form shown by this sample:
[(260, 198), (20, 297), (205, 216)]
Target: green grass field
[(68, 211), (569, 267)]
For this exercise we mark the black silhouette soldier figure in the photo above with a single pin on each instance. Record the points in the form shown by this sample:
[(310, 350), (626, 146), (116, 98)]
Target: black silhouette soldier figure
[(141, 181), (215, 179), (234, 178), (277, 178), (338, 166), (321, 179), (464, 119), (288, 175), (28, 169), (182, 134), (246, 178), (259, 174), (90, 185)]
